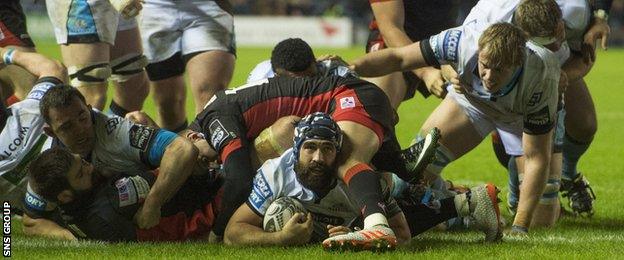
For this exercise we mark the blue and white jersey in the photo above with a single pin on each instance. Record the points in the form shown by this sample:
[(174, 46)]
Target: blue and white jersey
[(21, 140), (123, 146), (276, 178), (532, 93), (264, 70), (576, 15)]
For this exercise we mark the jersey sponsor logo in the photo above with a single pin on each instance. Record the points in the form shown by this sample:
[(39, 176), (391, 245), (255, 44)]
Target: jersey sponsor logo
[(39, 90), (541, 117), (451, 44), (14, 144), (347, 102), (218, 133), (111, 124), (262, 186), (327, 219), (141, 136), (535, 99), (33, 201)]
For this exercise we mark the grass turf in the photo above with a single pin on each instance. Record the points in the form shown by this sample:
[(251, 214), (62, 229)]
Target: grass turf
[(599, 237)]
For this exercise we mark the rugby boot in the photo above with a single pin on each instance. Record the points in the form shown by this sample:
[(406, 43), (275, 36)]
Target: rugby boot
[(481, 204), (580, 195), (378, 238), (420, 154)]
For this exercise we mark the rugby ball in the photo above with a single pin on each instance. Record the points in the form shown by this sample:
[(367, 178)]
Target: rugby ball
[(280, 211)]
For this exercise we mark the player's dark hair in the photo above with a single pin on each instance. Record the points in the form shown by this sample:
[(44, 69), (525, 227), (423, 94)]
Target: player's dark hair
[(292, 54), (47, 174), (58, 96)]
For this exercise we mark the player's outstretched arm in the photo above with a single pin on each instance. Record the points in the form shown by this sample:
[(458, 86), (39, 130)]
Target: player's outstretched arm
[(245, 228), (33, 62), (175, 168), (389, 60), (45, 228), (537, 152)]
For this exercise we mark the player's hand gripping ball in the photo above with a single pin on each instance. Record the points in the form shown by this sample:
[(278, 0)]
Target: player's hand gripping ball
[(280, 211)]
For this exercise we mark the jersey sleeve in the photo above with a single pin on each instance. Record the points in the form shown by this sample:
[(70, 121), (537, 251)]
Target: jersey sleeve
[(136, 142), (119, 229), (263, 70), (443, 48), (264, 189), (542, 101)]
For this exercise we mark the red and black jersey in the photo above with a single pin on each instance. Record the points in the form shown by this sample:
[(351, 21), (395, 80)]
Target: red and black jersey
[(247, 110), (13, 25), (106, 213), (424, 18)]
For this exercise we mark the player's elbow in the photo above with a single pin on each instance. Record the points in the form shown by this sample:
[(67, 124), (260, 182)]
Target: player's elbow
[(53, 68)]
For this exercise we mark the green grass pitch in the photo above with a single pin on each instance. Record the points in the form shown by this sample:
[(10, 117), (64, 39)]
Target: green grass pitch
[(599, 237)]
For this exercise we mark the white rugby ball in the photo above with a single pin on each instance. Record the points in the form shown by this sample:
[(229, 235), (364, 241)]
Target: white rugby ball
[(280, 211)]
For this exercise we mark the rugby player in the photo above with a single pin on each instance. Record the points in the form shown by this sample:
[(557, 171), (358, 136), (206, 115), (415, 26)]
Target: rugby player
[(401, 22), (112, 144), (233, 118), (15, 82), (97, 43), (195, 35), (22, 125), (576, 60), (294, 57), (507, 83), (96, 207), (307, 172)]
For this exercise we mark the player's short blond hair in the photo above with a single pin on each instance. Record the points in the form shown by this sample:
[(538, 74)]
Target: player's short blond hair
[(504, 45), (538, 18)]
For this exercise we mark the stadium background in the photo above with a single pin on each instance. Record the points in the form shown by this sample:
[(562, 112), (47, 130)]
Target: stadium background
[(340, 27)]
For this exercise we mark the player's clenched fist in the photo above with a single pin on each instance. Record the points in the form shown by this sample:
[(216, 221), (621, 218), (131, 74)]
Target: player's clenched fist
[(297, 230), (147, 217)]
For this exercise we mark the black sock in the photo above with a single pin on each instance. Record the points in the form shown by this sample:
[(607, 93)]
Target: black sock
[(238, 182), (117, 109), (421, 218), (366, 189)]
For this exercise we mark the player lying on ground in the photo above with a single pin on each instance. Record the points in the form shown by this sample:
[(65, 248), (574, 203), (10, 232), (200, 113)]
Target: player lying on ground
[(235, 117), (307, 173), (98, 204), (508, 83)]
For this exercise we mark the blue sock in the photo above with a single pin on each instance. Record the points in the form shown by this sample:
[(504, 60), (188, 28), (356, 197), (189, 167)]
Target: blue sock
[(514, 182), (572, 152)]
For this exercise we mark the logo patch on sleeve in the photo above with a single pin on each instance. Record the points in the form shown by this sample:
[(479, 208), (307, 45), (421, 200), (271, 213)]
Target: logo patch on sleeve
[(141, 136), (218, 133), (347, 102), (34, 202), (535, 99), (39, 90), (541, 117), (260, 192), (132, 190), (451, 45)]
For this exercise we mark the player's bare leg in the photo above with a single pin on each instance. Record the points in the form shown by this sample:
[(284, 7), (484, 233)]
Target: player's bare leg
[(170, 97), (132, 88), (209, 72), (92, 81), (393, 85), (580, 125), (458, 135)]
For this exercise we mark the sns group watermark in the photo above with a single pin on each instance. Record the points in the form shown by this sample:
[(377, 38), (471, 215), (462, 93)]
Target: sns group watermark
[(6, 229)]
